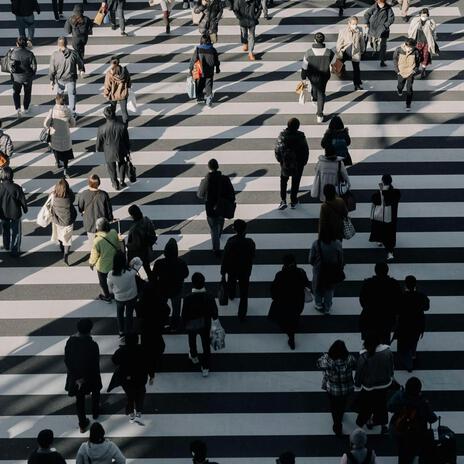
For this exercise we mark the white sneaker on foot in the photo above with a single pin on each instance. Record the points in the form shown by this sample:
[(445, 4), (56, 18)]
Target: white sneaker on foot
[(131, 417), (204, 372), (390, 256), (27, 112), (320, 119), (194, 359), (282, 205), (138, 415)]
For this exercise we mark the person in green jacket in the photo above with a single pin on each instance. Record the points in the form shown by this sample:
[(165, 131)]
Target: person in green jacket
[(105, 245)]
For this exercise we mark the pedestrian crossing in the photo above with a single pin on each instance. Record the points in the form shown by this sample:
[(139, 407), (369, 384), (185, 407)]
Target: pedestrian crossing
[(260, 399)]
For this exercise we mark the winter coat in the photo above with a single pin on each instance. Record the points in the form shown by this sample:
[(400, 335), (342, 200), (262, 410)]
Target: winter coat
[(238, 256), (24, 7), (113, 140), (124, 286), (104, 248), (46, 456), (117, 84), (199, 304), (170, 272), (131, 367), (406, 62), (80, 27), (99, 453), (94, 204), (429, 30), (324, 253), (391, 197), (64, 65), (208, 57), (291, 151), (60, 119), (214, 186), (247, 11), (316, 64), (376, 371), (336, 143), (331, 219), (24, 65), (6, 144), (63, 211), (351, 42), (379, 20), (328, 171), (140, 239), (82, 359), (12, 200), (212, 14)]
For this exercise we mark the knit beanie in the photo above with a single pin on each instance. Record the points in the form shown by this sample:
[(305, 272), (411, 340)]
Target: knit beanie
[(358, 438)]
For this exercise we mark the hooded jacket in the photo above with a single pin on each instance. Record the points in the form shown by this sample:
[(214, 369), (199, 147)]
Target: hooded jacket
[(117, 83), (12, 200), (247, 11), (316, 63), (170, 272), (6, 145), (64, 66), (24, 7), (296, 143), (379, 20), (78, 25), (212, 14), (406, 61), (24, 65), (328, 171), (61, 119), (374, 372), (100, 453)]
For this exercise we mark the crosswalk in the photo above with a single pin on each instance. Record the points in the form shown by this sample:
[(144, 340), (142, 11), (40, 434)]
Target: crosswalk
[(260, 399)]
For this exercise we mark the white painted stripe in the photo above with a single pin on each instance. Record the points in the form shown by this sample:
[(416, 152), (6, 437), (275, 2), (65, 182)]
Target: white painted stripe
[(174, 425), (248, 157), (235, 343), (268, 241), (220, 382), (54, 309)]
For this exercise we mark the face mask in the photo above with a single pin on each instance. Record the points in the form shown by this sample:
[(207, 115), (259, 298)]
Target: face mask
[(424, 17), (353, 27), (381, 5)]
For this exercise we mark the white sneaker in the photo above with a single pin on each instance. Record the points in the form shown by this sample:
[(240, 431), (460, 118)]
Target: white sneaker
[(320, 119), (204, 372), (379, 244), (185, 5), (194, 359), (390, 256), (138, 415), (18, 114), (26, 112), (151, 380), (131, 417)]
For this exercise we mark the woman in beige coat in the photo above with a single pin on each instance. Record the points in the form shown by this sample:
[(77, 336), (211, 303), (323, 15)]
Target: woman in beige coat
[(330, 170), (60, 119), (350, 47)]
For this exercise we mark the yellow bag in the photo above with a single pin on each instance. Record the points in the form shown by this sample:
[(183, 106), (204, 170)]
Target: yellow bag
[(100, 16), (301, 87)]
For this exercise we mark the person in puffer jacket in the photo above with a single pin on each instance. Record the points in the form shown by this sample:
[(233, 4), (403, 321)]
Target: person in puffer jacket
[(208, 57), (116, 87), (98, 449), (406, 60), (80, 27), (247, 13), (6, 145), (212, 13)]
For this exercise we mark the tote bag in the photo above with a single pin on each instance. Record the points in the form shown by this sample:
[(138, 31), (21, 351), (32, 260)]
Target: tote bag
[(382, 212), (45, 214), (132, 102), (190, 87)]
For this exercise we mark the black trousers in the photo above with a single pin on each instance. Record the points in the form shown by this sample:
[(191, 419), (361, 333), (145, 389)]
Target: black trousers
[(80, 405), (318, 87), (205, 342), (57, 6), (135, 396), (17, 86), (103, 283), (123, 106), (119, 11), (408, 81), (243, 285), (79, 46), (204, 87), (337, 408), (373, 403), (295, 187), (356, 69), (116, 172)]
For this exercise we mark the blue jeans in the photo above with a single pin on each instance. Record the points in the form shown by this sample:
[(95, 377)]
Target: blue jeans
[(120, 12), (70, 89), (216, 224), (12, 235), (323, 298), (26, 22)]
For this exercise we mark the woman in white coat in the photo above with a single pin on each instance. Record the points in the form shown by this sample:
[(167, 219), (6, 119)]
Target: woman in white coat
[(330, 170), (423, 30)]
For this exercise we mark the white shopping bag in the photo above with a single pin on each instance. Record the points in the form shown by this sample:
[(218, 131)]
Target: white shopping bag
[(302, 98), (132, 102), (190, 87)]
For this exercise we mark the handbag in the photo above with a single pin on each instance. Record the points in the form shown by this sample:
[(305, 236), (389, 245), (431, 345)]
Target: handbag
[(302, 98), (337, 67), (195, 325), (6, 61), (197, 17), (132, 102), (132, 171), (301, 87), (217, 336), (308, 296), (44, 218), (350, 200), (45, 134), (4, 160), (222, 293), (197, 71), (190, 87), (100, 16), (348, 228), (381, 213), (214, 37)]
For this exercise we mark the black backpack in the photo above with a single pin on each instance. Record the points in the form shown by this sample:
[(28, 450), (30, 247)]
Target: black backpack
[(353, 460)]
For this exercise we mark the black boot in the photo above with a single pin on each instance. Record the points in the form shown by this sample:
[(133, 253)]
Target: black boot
[(166, 21), (66, 254)]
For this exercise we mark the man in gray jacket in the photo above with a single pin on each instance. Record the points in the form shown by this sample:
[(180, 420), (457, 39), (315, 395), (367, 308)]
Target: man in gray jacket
[(65, 64)]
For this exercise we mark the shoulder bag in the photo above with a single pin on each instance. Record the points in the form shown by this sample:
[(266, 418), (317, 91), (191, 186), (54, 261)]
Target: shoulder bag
[(197, 71), (382, 212), (348, 228), (45, 134), (44, 218), (344, 192), (4, 160), (131, 170)]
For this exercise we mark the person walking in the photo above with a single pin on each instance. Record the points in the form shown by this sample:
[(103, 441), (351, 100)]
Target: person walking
[(131, 374), (141, 238), (57, 6), (379, 17), (98, 449), (123, 285), (168, 275), (237, 264), (63, 215), (207, 56), (423, 29), (65, 64), (25, 19), (316, 68), (116, 87), (406, 59), (80, 26), (166, 7), (379, 298), (6, 146), (292, 152), (411, 415), (82, 359), (198, 310), (359, 453), (212, 11), (59, 120), (288, 297), (326, 258), (217, 192), (336, 141), (410, 325), (332, 214), (404, 4), (106, 245), (374, 375), (12, 205), (94, 204), (330, 170), (266, 5), (113, 140), (350, 47), (338, 366), (384, 215), (116, 8), (23, 70), (45, 454), (247, 12)]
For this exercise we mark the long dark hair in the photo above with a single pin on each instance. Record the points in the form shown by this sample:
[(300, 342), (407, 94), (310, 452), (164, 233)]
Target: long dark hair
[(338, 350), (336, 124), (62, 189), (371, 342), (119, 263)]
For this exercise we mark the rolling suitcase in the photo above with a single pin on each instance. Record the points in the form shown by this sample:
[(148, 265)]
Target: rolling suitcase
[(444, 446)]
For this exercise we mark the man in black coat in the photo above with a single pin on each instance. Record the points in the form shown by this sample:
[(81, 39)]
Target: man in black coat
[(113, 140), (237, 263), (247, 13), (82, 359), (23, 68), (45, 454), (24, 12), (12, 205), (292, 152), (379, 299)]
